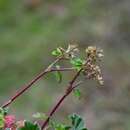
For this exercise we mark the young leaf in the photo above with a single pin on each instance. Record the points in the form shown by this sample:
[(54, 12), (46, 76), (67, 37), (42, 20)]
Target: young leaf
[(77, 93), (1, 111), (4, 111), (39, 115), (77, 122), (58, 74), (77, 63), (2, 121), (58, 126), (30, 126), (56, 52)]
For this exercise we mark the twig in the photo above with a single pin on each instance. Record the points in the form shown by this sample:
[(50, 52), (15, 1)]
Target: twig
[(34, 80)]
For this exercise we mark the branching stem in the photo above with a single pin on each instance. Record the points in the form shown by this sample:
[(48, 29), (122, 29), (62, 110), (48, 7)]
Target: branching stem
[(34, 80), (67, 92)]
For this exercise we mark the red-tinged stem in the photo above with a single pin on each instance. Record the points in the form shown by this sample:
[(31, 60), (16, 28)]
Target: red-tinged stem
[(37, 78), (53, 111), (68, 91), (29, 85), (26, 87)]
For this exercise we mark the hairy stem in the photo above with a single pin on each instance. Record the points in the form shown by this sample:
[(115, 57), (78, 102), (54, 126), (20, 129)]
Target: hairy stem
[(68, 91)]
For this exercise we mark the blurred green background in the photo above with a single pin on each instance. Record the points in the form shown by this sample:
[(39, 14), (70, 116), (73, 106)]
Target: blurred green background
[(31, 29)]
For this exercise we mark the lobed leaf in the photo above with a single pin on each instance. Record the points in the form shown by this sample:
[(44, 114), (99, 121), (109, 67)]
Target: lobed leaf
[(77, 122), (30, 126)]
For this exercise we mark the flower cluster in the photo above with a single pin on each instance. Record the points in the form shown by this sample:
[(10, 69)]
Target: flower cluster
[(72, 51), (68, 53), (9, 121), (91, 68), (94, 52)]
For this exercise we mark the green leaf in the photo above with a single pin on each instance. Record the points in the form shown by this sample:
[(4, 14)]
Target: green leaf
[(2, 114), (30, 126), (58, 74), (77, 122), (77, 93), (77, 63), (39, 115), (58, 126), (1, 120), (56, 52), (3, 111)]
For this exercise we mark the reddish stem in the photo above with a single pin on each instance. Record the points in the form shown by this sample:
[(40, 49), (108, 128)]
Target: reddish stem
[(68, 91), (29, 85), (53, 110), (26, 87)]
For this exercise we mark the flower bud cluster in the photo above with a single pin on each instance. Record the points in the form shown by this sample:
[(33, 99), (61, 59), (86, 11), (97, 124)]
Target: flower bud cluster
[(94, 52), (70, 52), (91, 69)]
